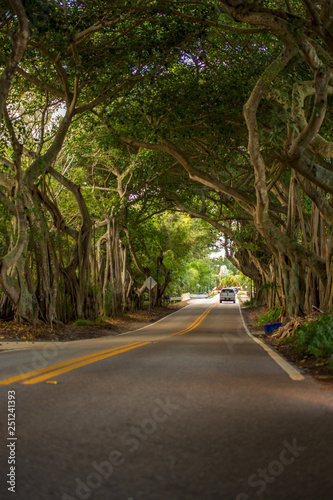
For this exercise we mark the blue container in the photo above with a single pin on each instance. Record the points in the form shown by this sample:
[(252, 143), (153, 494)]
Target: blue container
[(270, 328)]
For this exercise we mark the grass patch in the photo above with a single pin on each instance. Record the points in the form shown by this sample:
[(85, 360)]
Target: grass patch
[(88, 322)]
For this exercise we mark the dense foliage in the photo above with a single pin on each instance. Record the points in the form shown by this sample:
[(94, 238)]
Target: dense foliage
[(316, 338), (272, 316), (118, 117)]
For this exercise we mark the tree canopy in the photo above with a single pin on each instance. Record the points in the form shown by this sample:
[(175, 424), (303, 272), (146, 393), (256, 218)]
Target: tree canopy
[(135, 133)]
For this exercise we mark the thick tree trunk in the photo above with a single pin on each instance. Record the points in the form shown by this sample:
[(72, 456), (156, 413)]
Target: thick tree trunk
[(116, 282)]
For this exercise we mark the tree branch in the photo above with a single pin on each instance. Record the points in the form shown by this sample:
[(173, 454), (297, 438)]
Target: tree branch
[(19, 44)]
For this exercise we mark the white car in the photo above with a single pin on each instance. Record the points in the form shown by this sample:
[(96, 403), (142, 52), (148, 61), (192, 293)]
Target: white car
[(228, 294)]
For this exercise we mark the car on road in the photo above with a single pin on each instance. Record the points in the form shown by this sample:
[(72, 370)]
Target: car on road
[(228, 294)]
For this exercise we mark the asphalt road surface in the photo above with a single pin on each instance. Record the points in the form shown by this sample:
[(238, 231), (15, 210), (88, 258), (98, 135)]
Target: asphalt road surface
[(190, 408)]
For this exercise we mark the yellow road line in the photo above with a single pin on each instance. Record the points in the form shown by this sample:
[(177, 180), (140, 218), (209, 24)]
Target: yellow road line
[(42, 374), (59, 365), (36, 380), (197, 321)]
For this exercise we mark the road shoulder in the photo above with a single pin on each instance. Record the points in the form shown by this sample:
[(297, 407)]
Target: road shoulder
[(306, 365)]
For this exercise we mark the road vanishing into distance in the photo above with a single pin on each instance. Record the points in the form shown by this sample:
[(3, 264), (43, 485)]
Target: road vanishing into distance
[(189, 408)]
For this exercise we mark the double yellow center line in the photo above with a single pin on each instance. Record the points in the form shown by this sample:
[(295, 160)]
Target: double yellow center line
[(197, 322), (72, 364), (43, 374)]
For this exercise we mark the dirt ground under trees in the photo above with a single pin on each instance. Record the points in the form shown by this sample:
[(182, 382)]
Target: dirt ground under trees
[(9, 330)]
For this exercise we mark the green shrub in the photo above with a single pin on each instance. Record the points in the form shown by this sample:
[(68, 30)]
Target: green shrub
[(87, 322), (99, 322), (316, 337), (83, 322), (270, 317), (251, 302)]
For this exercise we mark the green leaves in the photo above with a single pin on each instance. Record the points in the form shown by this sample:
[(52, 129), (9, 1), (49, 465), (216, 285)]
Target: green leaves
[(270, 317), (316, 337)]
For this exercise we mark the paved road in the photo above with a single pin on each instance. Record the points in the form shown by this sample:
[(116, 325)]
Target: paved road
[(190, 408)]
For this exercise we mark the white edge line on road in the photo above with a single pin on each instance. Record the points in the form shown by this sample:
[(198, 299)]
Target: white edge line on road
[(293, 373), (114, 336), (120, 334), (155, 322), (151, 324), (3, 351)]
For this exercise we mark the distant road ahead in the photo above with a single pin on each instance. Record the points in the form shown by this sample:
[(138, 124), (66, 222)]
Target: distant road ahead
[(190, 408)]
